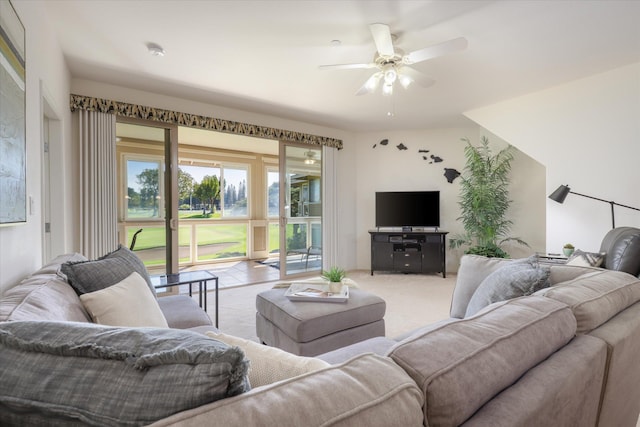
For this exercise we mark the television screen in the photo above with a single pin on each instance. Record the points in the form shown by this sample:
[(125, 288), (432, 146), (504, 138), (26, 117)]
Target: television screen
[(408, 209)]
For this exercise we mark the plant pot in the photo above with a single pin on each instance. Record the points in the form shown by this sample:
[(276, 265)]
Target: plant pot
[(567, 251), (335, 287)]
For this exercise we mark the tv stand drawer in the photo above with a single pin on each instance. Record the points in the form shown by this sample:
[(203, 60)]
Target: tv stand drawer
[(410, 261)]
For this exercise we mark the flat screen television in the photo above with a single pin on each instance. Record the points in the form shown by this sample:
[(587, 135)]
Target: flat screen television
[(408, 209)]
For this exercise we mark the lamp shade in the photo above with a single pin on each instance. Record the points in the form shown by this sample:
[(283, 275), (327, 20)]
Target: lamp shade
[(560, 194)]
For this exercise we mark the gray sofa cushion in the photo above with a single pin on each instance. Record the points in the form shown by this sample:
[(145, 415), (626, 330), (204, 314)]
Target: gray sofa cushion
[(515, 279), (459, 366), (563, 390), (596, 297), (368, 390), (44, 295), (473, 270), (90, 276), (55, 373), (182, 312)]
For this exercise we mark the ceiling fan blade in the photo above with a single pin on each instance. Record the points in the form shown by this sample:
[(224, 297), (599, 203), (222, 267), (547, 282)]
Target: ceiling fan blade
[(435, 50), (346, 66), (416, 76), (382, 38), (370, 85)]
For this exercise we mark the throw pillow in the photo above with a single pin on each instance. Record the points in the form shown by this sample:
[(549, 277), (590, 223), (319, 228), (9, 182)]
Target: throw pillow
[(90, 276), (127, 303), (586, 259), (269, 364), (512, 280), (65, 373)]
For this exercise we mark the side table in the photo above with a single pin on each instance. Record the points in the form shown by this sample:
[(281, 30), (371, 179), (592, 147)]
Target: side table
[(201, 277), (552, 258)]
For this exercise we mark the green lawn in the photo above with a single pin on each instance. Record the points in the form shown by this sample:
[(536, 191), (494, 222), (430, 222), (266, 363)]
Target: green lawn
[(235, 235)]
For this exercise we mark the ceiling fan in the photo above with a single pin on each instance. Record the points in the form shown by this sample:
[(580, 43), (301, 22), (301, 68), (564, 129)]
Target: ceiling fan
[(393, 64)]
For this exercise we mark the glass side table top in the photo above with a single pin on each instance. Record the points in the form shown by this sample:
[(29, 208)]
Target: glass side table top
[(181, 278)]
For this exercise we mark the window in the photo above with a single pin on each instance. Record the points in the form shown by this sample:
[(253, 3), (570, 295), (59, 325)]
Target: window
[(235, 192), (199, 192), (273, 193), (213, 192), (145, 188)]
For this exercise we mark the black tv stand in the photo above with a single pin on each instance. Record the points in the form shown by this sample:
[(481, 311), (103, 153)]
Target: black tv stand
[(408, 252)]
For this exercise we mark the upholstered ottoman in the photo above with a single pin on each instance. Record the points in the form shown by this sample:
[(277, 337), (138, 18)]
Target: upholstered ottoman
[(312, 328)]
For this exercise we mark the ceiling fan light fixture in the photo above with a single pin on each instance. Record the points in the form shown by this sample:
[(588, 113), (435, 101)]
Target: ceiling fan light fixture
[(387, 89), (310, 158), (372, 83), (405, 80), (390, 75)]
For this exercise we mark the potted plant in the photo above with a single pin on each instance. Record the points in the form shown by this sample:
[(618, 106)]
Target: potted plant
[(568, 249), (484, 200), (334, 275)]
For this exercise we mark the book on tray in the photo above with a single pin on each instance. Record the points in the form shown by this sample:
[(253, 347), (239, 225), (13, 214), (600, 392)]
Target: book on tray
[(316, 292)]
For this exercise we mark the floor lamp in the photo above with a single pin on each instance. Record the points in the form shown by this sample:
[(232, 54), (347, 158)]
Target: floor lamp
[(561, 193)]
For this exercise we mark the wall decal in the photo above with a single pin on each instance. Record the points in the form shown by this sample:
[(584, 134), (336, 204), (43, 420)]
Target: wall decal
[(383, 142), (401, 147), (435, 159), (423, 151), (451, 174)]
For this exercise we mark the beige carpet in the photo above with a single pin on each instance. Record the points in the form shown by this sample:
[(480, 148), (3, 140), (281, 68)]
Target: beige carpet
[(412, 301)]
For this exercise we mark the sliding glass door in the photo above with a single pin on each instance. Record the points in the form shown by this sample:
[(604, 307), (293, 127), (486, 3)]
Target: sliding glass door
[(300, 209), (147, 183)]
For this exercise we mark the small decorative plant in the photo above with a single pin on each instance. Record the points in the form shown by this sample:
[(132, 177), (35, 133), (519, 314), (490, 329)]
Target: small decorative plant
[(334, 274), (568, 249)]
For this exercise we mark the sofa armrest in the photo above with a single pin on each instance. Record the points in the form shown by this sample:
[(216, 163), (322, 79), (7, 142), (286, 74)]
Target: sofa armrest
[(183, 312)]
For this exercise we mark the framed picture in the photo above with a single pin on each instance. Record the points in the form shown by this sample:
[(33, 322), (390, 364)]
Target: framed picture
[(13, 159)]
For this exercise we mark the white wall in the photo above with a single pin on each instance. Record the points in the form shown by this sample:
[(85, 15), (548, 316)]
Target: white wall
[(385, 168), (21, 246), (587, 134)]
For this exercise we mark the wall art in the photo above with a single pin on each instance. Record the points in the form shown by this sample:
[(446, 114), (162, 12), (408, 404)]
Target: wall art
[(13, 159)]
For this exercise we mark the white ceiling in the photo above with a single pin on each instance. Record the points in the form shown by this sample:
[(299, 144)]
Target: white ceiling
[(263, 56)]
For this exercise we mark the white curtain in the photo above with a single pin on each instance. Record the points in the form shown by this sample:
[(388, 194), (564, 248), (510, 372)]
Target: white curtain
[(329, 209), (98, 193)]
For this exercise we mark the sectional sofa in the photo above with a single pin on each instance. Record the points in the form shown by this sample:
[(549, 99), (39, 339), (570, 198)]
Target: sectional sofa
[(564, 356)]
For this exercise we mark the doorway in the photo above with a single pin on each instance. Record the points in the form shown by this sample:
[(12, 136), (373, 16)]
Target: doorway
[(300, 210), (225, 200)]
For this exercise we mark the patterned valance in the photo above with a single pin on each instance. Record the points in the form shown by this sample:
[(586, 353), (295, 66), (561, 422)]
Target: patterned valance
[(80, 102)]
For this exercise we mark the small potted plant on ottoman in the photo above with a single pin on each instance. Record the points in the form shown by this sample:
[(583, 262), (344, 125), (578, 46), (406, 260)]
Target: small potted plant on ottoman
[(334, 275)]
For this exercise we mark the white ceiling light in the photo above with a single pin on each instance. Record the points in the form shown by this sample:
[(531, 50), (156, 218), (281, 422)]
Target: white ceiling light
[(310, 158), (155, 49), (387, 89)]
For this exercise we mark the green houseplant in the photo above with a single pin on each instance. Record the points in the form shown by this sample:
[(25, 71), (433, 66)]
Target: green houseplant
[(484, 200), (334, 275)]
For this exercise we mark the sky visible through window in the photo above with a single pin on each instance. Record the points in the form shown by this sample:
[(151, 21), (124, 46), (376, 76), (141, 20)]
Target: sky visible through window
[(134, 168)]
